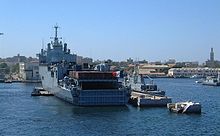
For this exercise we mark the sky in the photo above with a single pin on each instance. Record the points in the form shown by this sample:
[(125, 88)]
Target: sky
[(154, 30)]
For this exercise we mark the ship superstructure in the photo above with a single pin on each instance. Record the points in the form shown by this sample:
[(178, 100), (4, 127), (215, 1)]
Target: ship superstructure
[(57, 52), (83, 88), (55, 62)]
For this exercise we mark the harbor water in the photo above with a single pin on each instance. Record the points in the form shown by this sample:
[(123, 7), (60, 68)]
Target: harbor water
[(21, 114)]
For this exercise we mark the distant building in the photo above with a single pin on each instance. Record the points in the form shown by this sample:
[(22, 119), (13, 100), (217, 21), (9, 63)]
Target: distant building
[(143, 62), (16, 59), (130, 61), (153, 70), (85, 63), (212, 55), (156, 63), (193, 64), (189, 72), (29, 71), (212, 63), (171, 61)]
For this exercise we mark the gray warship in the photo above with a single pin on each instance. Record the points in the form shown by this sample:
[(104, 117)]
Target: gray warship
[(212, 81), (145, 94), (136, 82), (59, 75)]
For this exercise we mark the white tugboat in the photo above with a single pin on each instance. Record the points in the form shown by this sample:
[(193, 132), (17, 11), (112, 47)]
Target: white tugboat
[(185, 107)]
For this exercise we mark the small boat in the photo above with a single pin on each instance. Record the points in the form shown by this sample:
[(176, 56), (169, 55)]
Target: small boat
[(39, 91), (8, 81), (199, 81), (194, 76), (185, 107)]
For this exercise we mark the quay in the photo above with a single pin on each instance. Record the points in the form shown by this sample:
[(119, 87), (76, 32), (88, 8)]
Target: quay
[(141, 99), (20, 81)]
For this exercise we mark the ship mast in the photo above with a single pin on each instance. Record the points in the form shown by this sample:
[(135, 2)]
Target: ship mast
[(56, 38), (56, 27)]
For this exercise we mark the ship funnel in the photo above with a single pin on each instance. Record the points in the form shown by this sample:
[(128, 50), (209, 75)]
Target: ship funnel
[(42, 51), (65, 47), (48, 47)]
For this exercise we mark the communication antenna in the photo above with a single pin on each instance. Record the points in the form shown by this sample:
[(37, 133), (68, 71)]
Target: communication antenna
[(42, 43)]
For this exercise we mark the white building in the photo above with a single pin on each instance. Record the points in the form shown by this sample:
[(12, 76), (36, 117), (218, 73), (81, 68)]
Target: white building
[(189, 72), (29, 71)]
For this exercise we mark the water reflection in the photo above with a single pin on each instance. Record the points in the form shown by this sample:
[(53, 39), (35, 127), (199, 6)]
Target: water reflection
[(92, 110)]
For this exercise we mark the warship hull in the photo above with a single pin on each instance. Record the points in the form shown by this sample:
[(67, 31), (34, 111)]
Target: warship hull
[(94, 97)]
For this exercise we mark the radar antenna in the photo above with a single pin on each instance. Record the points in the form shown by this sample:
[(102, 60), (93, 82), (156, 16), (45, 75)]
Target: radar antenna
[(56, 33)]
